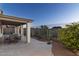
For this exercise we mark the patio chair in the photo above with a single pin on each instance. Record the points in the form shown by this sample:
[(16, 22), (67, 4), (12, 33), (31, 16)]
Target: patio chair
[(13, 38)]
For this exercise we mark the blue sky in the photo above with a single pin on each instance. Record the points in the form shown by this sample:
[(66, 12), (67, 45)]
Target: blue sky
[(44, 13)]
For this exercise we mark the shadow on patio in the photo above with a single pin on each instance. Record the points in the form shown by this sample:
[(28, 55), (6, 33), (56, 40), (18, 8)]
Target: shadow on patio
[(35, 48)]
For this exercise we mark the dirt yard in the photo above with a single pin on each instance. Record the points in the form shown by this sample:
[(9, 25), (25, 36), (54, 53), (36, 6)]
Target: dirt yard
[(59, 50)]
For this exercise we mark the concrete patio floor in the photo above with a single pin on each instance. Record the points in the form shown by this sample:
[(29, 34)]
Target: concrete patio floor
[(35, 48)]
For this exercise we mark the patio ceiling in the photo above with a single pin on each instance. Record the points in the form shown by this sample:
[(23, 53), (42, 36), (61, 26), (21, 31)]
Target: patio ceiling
[(11, 20)]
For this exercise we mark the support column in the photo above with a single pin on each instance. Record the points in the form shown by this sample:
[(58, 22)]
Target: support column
[(2, 29), (21, 31), (18, 31), (15, 30), (28, 32)]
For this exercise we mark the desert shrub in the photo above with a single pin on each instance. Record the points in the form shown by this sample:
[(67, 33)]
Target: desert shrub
[(42, 32), (69, 36)]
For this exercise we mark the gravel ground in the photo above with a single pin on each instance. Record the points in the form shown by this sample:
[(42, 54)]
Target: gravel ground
[(35, 48)]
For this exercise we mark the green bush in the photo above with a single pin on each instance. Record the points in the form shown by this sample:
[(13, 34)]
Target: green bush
[(69, 36)]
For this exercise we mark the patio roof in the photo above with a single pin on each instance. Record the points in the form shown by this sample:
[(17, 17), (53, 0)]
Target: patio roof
[(12, 20)]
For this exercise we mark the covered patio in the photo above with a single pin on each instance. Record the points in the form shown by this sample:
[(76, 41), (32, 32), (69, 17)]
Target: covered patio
[(17, 23)]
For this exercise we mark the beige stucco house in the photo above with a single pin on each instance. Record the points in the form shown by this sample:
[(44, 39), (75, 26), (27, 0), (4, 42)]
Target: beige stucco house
[(18, 23)]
